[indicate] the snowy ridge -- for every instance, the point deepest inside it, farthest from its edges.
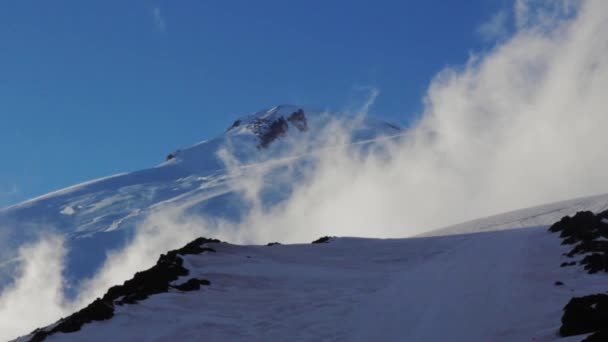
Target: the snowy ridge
(481, 283)
(541, 215)
(491, 286)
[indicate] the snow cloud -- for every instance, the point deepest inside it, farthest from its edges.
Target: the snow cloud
(36, 296)
(520, 125)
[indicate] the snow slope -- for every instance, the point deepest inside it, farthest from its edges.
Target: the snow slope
(495, 285)
(542, 215)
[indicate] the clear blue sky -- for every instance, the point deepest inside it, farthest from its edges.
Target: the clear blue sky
(92, 88)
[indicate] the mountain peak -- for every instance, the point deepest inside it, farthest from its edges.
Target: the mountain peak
(271, 124)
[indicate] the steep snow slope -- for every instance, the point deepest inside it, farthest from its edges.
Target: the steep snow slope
(100, 215)
(472, 285)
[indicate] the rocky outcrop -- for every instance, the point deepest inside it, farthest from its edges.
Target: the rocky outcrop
(298, 120)
(583, 315)
(588, 233)
(275, 130)
(157, 279)
(269, 129)
(324, 239)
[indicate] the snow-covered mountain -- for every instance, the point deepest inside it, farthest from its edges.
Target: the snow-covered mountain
(481, 280)
(100, 215)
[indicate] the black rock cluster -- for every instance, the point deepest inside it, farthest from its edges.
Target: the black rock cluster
(324, 239)
(268, 131)
(588, 233)
(157, 279)
(583, 315)
(276, 129)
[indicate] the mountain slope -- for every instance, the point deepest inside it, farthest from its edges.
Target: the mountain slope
(101, 215)
(464, 285)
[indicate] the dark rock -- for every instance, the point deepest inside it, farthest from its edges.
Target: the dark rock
(583, 226)
(272, 244)
(564, 264)
(324, 239)
(587, 314)
(298, 119)
(583, 315)
(596, 262)
(194, 247)
(277, 129)
(99, 310)
(598, 336)
(583, 230)
(172, 155)
(192, 284)
(235, 124)
(269, 129)
(156, 279)
(558, 283)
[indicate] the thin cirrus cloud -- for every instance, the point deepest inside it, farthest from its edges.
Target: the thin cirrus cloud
(159, 21)
(9, 193)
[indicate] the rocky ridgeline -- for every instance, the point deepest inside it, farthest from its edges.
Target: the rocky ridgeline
(268, 130)
(157, 279)
(588, 233)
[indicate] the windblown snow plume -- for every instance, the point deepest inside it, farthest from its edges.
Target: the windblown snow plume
(36, 297)
(521, 125)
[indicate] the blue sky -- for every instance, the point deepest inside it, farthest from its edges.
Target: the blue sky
(92, 88)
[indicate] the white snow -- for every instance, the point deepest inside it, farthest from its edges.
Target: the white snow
(486, 286)
(536, 216)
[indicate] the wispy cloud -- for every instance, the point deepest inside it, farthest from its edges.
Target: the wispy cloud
(159, 21)
(14, 190)
(8, 193)
(495, 28)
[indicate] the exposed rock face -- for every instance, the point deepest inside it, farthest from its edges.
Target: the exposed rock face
(277, 129)
(324, 239)
(157, 279)
(235, 124)
(583, 315)
(192, 284)
(172, 155)
(269, 128)
(298, 119)
(588, 232)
